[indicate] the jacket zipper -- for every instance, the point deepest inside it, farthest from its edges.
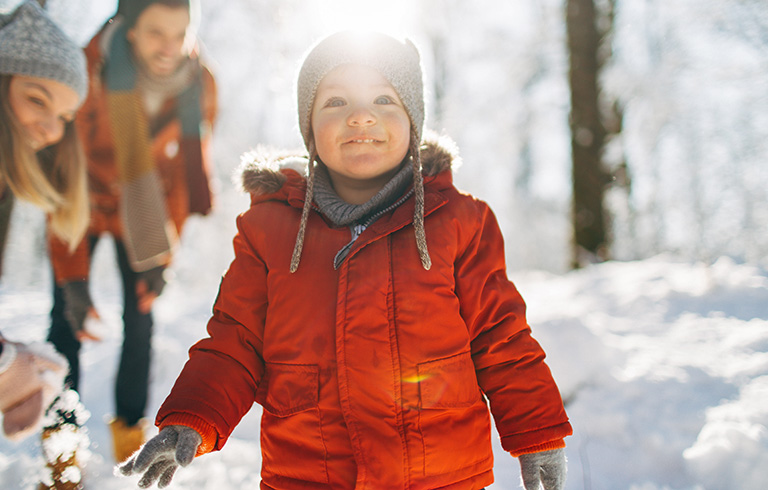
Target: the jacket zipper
(357, 229)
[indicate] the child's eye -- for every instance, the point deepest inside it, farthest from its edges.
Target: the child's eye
(384, 99)
(334, 102)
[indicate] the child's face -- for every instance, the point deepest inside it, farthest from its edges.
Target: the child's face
(360, 127)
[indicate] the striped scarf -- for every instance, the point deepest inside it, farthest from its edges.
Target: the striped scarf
(148, 235)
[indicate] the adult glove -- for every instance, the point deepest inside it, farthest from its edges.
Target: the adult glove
(30, 378)
(149, 285)
(547, 468)
(154, 279)
(77, 304)
(161, 456)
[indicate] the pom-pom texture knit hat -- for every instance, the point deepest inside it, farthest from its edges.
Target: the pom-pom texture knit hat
(31, 44)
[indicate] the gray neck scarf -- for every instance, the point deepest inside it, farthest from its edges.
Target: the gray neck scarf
(341, 213)
(358, 216)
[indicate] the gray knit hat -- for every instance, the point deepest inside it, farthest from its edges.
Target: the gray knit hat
(31, 44)
(399, 63)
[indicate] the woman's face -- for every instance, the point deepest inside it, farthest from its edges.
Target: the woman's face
(42, 107)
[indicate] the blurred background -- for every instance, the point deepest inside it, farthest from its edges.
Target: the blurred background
(596, 129)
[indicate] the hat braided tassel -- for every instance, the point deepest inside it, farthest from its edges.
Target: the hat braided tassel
(297, 248)
(418, 211)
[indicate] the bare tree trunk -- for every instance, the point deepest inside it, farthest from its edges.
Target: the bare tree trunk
(587, 134)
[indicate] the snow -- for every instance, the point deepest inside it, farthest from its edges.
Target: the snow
(663, 365)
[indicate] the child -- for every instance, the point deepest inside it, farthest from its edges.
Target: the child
(376, 337)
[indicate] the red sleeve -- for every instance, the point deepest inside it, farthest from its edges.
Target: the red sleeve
(210, 100)
(207, 433)
(86, 119)
(219, 381)
(525, 402)
(68, 265)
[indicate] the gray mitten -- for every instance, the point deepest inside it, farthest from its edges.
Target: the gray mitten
(545, 467)
(162, 455)
(77, 303)
(154, 279)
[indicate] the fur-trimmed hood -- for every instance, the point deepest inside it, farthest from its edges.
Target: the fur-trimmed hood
(263, 171)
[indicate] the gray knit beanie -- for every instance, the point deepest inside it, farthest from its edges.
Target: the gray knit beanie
(397, 61)
(31, 44)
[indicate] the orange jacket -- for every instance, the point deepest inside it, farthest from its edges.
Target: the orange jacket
(95, 132)
(377, 375)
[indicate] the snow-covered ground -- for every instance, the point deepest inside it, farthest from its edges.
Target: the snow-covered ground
(663, 363)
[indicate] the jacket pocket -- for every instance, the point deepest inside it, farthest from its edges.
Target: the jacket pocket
(453, 417)
(291, 388)
(448, 383)
(291, 435)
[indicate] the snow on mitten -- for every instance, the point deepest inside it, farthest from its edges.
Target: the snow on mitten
(545, 467)
(30, 378)
(161, 456)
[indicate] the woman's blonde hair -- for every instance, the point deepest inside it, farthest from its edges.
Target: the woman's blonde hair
(55, 179)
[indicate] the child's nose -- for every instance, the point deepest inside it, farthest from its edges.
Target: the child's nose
(361, 116)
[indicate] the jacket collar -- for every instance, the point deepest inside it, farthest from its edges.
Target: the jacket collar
(269, 175)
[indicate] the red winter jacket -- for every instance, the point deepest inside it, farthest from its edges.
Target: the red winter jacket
(377, 375)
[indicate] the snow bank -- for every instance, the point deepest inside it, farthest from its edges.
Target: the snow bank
(663, 365)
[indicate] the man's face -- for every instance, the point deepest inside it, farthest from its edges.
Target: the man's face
(158, 38)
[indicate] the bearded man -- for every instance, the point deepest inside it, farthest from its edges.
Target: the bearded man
(145, 128)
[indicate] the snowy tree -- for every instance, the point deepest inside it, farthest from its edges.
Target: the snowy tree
(692, 78)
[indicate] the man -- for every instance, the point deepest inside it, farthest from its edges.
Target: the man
(145, 127)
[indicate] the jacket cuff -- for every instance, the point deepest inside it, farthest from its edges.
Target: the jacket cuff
(547, 446)
(206, 431)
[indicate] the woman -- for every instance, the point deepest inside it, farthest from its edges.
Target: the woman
(43, 81)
